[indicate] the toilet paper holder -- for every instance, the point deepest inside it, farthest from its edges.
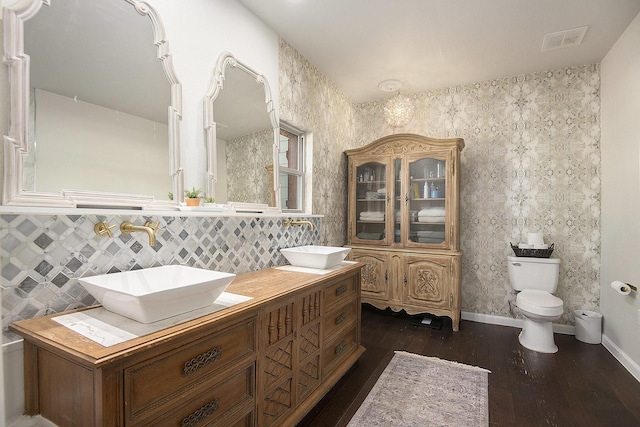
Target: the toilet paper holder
(632, 287)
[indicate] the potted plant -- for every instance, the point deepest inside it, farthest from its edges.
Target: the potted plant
(209, 201)
(192, 197)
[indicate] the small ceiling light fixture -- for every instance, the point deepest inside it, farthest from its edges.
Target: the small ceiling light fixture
(398, 110)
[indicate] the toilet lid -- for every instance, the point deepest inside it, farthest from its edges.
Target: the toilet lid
(539, 302)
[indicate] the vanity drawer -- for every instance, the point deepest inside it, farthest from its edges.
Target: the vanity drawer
(340, 318)
(338, 348)
(227, 403)
(163, 379)
(336, 293)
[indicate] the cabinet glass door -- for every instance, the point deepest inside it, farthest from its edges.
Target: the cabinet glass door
(427, 196)
(371, 197)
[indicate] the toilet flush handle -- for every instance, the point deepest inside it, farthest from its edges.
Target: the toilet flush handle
(516, 264)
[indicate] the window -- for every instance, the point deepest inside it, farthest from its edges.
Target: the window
(291, 161)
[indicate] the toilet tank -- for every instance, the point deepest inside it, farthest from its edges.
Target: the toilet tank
(533, 273)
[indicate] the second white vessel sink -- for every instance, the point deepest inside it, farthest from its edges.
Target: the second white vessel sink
(153, 294)
(315, 256)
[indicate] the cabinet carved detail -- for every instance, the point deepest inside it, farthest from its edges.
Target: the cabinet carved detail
(280, 323)
(310, 340)
(278, 362)
(277, 402)
(401, 147)
(369, 277)
(426, 283)
(309, 376)
(310, 307)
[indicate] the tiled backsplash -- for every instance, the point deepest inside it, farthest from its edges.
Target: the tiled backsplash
(43, 255)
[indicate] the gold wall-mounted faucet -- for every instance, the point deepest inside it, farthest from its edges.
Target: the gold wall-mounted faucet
(103, 228)
(291, 223)
(149, 227)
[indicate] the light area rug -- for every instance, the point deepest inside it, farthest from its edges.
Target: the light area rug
(416, 390)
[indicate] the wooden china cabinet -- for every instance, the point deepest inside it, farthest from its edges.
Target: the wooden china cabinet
(403, 223)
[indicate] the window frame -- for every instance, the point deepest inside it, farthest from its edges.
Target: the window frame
(299, 172)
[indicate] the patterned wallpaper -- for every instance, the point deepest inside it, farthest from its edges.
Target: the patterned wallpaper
(531, 163)
(311, 102)
(247, 178)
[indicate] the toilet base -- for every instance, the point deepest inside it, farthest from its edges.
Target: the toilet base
(538, 336)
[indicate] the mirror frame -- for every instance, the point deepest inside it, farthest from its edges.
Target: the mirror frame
(15, 142)
(227, 59)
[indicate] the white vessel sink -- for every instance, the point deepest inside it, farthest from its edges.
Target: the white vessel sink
(153, 294)
(315, 256)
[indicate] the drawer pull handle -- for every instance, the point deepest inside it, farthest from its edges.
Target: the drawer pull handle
(200, 414)
(341, 318)
(341, 290)
(202, 360)
(340, 348)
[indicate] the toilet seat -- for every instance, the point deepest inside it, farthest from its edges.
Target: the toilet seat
(538, 302)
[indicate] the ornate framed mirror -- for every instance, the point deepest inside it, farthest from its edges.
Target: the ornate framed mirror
(241, 135)
(105, 72)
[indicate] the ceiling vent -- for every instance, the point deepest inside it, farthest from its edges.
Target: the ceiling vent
(563, 39)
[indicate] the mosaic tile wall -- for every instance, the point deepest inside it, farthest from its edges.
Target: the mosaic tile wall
(43, 255)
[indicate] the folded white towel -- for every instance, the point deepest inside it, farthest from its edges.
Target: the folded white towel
(382, 190)
(432, 212)
(431, 219)
(372, 214)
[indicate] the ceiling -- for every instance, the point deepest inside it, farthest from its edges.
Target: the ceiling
(428, 44)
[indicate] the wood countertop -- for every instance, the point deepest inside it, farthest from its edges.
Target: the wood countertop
(262, 286)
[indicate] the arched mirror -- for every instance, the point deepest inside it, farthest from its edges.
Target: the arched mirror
(95, 106)
(242, 135)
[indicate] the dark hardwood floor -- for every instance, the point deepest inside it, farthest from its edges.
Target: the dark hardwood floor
(581, 385)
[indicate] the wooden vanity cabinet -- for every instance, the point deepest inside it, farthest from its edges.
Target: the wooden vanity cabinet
(302, 352)
(264, 362)
(403, 223)
(199, 376)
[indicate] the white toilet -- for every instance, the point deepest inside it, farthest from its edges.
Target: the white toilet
(536, 279)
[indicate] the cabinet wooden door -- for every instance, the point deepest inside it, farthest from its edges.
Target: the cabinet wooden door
(375, 274)
(427, 281)
(291, 362)
(277, 363)
(307, 358)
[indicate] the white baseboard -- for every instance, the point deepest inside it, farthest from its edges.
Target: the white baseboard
(514, 323)
(622, 357)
